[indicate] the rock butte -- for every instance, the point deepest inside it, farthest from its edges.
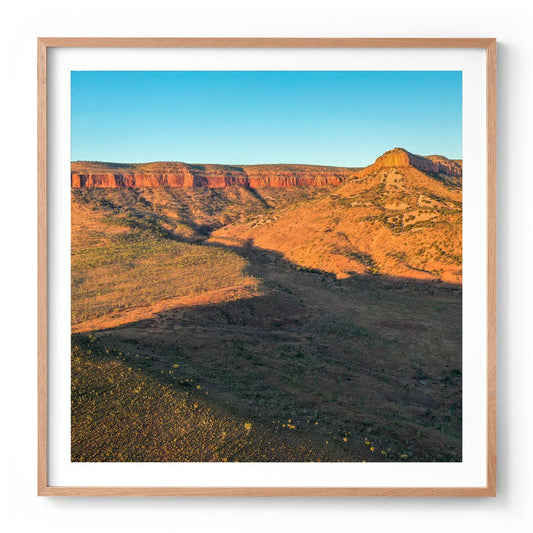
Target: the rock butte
(182, 175)
(437, 164)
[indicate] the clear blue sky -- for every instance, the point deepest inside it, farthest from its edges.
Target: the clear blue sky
(320, 117)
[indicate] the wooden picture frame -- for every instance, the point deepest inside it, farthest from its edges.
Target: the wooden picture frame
(47, 44)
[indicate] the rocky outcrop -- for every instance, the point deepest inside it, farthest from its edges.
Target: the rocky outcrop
(436, 164)
(447, 166)
(176, 174)
(280, 177)
(115, 181)
(211, 176)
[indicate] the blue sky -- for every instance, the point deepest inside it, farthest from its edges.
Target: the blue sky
(320, 117)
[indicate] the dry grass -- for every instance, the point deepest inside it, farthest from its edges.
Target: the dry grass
(372, 224)
(124, 256)
(247, 346)
(132, 417)
(131, 273)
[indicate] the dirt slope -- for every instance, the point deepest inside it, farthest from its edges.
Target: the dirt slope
(390, 218)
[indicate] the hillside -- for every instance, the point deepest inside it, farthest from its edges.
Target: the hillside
(399, 217)
(270, 323)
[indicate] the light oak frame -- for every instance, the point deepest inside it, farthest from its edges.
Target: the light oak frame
(44, 489)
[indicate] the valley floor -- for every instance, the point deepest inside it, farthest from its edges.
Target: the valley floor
(302, 367)
(229, 352)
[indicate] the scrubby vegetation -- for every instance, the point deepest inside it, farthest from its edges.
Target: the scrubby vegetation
(268, 325)
(366, 224)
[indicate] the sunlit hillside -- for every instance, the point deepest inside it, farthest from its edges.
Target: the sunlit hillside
(395, 221)
(299, 323)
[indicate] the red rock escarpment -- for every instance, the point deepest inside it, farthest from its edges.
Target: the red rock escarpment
(212, 176)
(176, 174)
(402, 158)
(115, 181)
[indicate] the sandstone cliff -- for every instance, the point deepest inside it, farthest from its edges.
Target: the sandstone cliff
(398, 157)
(102, 175)
(87, 174)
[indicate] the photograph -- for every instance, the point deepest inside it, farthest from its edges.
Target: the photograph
(266, 266)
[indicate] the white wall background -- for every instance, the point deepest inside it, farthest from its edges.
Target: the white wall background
(23, 21)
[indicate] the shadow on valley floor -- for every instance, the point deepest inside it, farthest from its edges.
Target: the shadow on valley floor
(364, 368)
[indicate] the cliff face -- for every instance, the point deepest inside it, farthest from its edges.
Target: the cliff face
(433, 163)
(447, 166)
(211, 176)
(279, 177)
(86, 174)
(115, 181)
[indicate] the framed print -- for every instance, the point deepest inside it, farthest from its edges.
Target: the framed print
(267, 267)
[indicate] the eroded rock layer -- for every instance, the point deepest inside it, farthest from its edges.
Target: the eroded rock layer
(437, 164)
(86, 174)
(93, 175)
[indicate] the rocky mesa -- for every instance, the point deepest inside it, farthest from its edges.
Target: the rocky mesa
(399, 157)
(101, 175)
(176, 174)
